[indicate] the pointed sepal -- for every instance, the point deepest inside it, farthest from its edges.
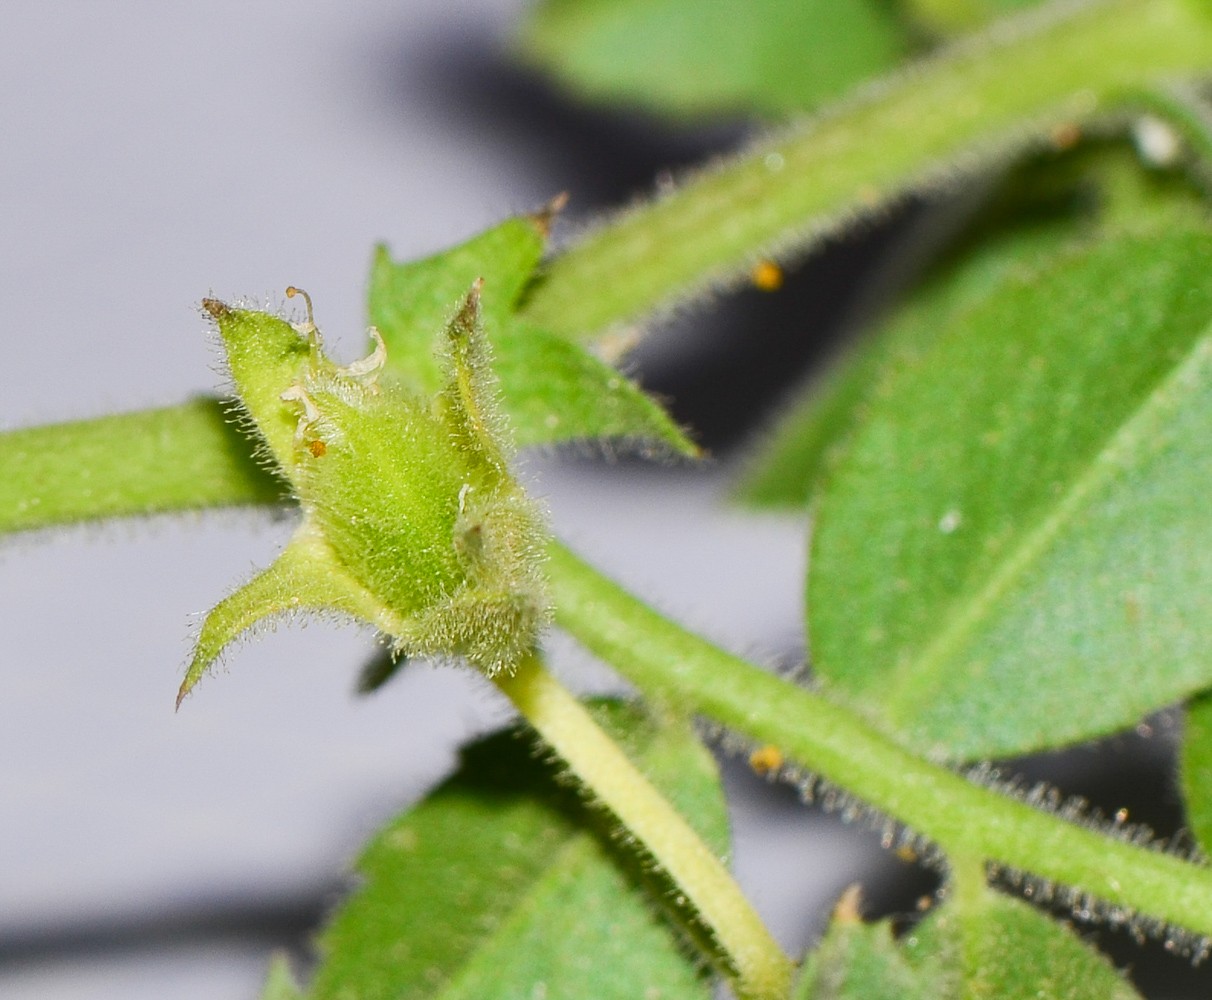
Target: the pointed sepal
(265, 356)
(468, 401)
(306, 577)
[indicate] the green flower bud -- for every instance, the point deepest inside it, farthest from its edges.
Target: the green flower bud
(412, 520)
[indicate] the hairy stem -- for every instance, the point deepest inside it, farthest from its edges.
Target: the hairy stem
(761, 970)
(172, 459)
(963, 818)
(972, 105)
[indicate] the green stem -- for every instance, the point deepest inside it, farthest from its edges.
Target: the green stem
(976, 103)
(172, 459)
(762, 971)
(964, 819)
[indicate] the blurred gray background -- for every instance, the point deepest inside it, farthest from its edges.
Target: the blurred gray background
(154, 154)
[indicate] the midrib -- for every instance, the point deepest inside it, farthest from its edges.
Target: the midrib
(915, 685)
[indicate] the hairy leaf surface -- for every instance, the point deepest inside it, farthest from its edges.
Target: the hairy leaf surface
(494, 886)
(811, 436)
(681, 57)
(1010, 556)
(1011, 951)
(986, 946)
(1049, 205)
(858, 961)
(552, 390)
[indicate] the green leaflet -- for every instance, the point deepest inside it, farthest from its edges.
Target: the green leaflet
(812, 435)
(410, 303)
(858, 961)
(988, 947)
(684, 58)
(557, 391)
(1047, 205)
(1009, 557)
(1196, 770)
(173, 459)
(552, 390)
(1011, 951)
(493, 885)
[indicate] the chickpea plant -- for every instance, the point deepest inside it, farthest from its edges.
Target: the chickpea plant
(1007, 479)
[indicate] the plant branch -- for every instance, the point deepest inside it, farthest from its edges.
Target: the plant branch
(761, 970)
(976, 103)
(171, 459)
(963, 818)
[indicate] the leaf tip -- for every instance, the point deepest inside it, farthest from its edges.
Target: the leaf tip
(542, 219)
(848, 909)
(187, 685)
(215, 308)
(280, 981)
(465, 323)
